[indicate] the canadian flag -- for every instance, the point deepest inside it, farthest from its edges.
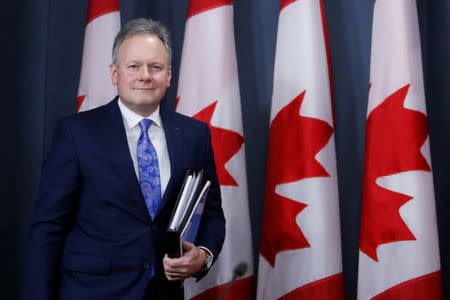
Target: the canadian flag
(208, 90)
(103, 23)
(399, 254)
(300, 254)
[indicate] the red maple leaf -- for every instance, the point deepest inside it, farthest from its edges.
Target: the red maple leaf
(395, 135)
(294, 142)
(226, 143)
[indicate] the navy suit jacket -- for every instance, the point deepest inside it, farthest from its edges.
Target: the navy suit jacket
(91, 236)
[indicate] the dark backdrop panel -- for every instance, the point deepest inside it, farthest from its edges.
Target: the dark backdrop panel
(255, 31)
(435, 33)
(41, 67)
(9, 206)
(349, 26)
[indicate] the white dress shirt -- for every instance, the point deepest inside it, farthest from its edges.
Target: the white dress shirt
(157, 137)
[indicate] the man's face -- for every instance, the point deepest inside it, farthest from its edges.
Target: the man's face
(142, 73)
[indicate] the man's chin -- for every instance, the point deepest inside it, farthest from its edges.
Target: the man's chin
(149, 102)
(148, 106)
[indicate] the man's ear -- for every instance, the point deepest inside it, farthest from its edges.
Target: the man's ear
(170, 76)
(113, 71)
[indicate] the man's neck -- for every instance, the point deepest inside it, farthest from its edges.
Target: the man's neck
(141, 111)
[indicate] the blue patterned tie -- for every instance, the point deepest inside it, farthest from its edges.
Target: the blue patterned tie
(148, 170)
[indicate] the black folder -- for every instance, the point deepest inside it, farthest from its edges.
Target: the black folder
(187, 213)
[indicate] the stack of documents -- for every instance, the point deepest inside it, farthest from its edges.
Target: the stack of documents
(187, 212)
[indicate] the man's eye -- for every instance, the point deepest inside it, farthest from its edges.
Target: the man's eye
(156, 68)
(133, 67)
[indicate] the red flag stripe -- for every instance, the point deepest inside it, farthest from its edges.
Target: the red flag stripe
(241, 289)
(420, 288)
(199, 6)
(284, 3)
(98, 8)
(326, 288)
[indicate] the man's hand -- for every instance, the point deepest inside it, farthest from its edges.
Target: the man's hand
(184, 267)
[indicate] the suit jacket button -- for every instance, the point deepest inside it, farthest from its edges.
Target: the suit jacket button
(146, 265)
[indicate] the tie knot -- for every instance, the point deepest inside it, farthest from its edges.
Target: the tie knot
(145, 124)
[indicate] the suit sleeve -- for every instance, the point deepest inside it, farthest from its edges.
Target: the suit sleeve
(53, 213)
(212, 229)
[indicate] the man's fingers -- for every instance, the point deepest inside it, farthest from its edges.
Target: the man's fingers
(173, 262)
(174, 275)
(173, 278)
(176, 271)
(188, 246)
(175, 267)
(170, 278)
(183, 267)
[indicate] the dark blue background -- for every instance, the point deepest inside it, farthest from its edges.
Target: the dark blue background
(40, 68)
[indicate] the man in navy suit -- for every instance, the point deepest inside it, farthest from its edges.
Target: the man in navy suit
(109, 185)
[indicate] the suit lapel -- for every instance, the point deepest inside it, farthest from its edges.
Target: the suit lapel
(173, 140)
(123, 163)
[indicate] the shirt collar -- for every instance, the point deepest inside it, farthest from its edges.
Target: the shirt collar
(132, 119)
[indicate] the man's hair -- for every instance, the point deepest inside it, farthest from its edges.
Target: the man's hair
(142, 26)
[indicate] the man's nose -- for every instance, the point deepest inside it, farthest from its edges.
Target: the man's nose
(146, 74)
